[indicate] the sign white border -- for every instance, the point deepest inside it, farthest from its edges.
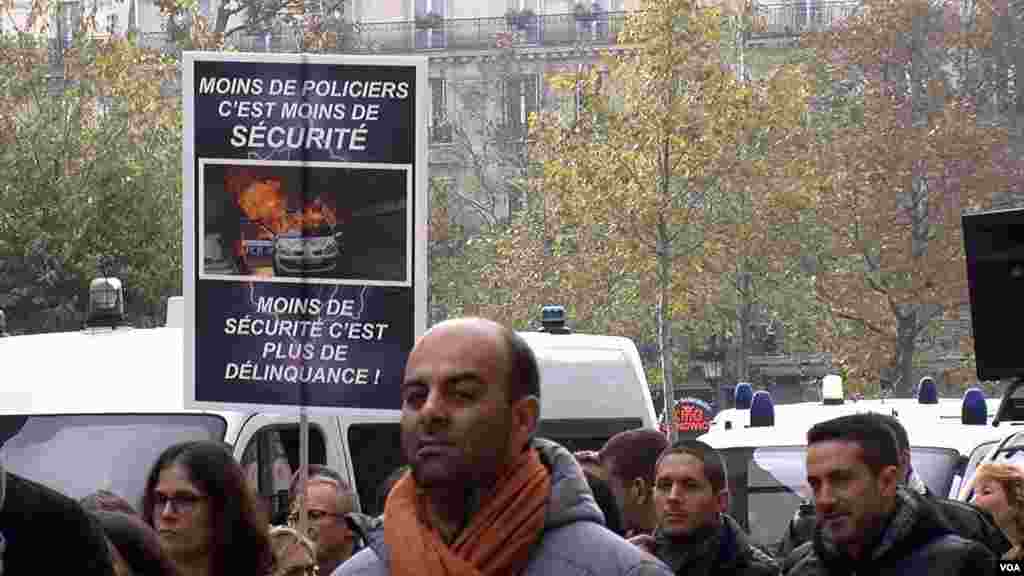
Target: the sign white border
(419, 216)
(410, 230)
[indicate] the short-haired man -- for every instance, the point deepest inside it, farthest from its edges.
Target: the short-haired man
(628, 459)
(867, 521)
(482, 496)
(694, 534)
(328, 499)
(966, 520)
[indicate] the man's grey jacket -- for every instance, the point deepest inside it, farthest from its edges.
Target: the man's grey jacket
(574, 542)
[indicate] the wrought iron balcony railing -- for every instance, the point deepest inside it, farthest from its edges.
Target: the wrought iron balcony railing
(463, 34)
(486, 33)
(793, 18)
(773, 19)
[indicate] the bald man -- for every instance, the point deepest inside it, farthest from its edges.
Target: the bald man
(482, 494)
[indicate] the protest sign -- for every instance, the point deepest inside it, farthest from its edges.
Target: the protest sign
(305, 228)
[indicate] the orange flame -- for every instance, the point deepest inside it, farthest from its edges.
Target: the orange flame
(316, 215)
(262, 200)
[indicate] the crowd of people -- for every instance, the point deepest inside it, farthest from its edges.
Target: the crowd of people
(481, 494)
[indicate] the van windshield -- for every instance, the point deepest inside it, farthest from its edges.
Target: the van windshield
(79, 454)
(767, 484)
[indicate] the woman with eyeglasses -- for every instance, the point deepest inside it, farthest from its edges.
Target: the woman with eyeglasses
(209, 521)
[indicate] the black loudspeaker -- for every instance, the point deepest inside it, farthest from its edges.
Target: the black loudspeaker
(994, 245)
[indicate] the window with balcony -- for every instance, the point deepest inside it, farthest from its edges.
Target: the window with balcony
(515, 199)
(523, 5)
(592, 20)
(68, 19)
(522, 98)
(523, 20)
(440, 126)
(430, 17)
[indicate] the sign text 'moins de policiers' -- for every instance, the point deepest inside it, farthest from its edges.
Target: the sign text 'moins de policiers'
(298, 106)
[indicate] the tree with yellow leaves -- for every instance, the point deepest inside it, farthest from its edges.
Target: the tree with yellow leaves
(665, 138)
(905, 149)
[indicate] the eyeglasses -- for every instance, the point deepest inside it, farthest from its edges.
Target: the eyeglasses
(314, 516)
(183, 502)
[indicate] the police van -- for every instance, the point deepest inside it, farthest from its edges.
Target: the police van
(94, 408)
(928, 406)
(766, 456)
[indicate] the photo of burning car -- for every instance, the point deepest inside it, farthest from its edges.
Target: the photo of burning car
(282, 220)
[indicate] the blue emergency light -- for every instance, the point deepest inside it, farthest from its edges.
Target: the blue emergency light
(974, 410)
(927, 392)
(743, 394)
(762, 411)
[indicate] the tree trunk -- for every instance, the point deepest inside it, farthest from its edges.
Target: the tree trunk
(744, 317)
(665, 330)
(221, 24)
(1003, 40)
(906, 343)
(665, 345)
(664, 249)
(907, 315)
(1017, 32)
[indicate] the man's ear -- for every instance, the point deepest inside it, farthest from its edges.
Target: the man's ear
(525, 414)
(888, 480)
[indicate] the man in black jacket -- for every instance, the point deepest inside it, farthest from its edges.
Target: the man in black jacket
(868, 523)
(694, 536)
(34, 518)
(967, 521)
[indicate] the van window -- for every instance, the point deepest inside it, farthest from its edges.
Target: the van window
(77, 455)
(585, 434)
(979, 454)
(271, 458)
(767, 484)
(1011, 452)
(376, 451)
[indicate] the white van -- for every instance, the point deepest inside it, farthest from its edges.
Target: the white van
(766, 463)
(99, 405)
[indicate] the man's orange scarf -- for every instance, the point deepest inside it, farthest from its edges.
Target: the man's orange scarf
(498, 539)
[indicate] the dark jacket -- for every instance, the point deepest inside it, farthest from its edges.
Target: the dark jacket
(712, 552)
(967, 521)
(574, 542)
(801, 529)
(917, 540)
(35, 519)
